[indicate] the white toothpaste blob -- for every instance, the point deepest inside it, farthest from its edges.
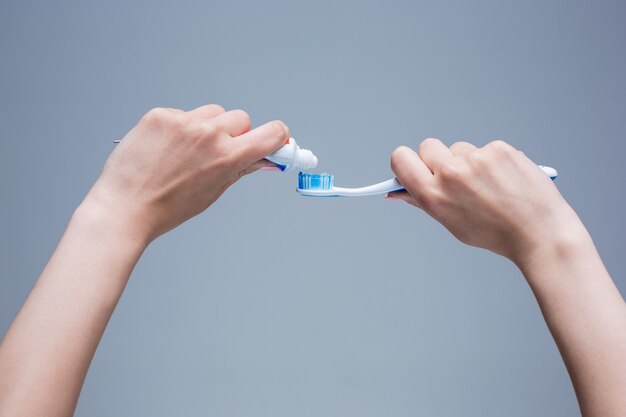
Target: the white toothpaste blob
(291, 157)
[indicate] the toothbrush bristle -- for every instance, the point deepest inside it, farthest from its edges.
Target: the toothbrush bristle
(315, 181)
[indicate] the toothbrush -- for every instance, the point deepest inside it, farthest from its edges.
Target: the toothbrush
(322, 185)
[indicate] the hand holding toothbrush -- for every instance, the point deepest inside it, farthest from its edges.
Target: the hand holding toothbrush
(494, 197)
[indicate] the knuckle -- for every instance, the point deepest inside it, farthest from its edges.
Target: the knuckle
(475, 157)
(176, 121)
(451, 172)
(200, 131)
(209, 130)
(163, 118)
(460, 144)
(242, 113)
(217, 107)
(155, 116)
(428, 142)
(500, 147)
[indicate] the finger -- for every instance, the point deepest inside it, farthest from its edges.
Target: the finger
(411, 171)
(262, 141)
(173, 110)
(402, 196)
(461, 148)
(260, 165)
(273, 168)
(499, 147)
(434, 153)
(207, 111)
(233, 122)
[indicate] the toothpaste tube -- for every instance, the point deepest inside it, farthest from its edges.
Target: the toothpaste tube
(292, 157)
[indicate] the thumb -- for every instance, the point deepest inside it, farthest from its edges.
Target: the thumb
(411, 171)
(261, 141)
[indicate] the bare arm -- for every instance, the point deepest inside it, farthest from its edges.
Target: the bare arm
(496, 198)
(46, 352)
(169, 168)
(587, 318)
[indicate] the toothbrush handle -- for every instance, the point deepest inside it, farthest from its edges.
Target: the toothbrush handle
(393, 184)
(374, 189)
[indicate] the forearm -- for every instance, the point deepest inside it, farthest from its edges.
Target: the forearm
(169, 168)
(587, 317)
(46, 352)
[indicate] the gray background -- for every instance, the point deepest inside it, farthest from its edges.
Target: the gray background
(270, 304)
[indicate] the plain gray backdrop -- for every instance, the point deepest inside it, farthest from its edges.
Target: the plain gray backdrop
(270, 304)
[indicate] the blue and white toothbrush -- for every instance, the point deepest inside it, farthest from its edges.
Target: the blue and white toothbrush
(322, 185)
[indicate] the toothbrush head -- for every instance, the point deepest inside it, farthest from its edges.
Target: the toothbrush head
(315, 185)
(315, 181)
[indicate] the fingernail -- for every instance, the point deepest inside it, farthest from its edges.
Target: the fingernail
(388, 197)
(269, 169)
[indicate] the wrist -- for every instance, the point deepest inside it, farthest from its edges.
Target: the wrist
(118, 221)
(562, 241)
